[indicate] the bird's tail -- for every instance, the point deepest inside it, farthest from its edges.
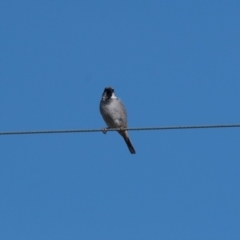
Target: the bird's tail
(126, 138)
(130, 146)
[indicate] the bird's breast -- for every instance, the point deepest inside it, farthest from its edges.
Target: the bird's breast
(113, 114)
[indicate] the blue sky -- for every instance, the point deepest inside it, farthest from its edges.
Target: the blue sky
(171, 63)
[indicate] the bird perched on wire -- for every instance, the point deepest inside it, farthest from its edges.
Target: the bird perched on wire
(115, 115)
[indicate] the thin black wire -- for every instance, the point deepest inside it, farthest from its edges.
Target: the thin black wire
(116, 129)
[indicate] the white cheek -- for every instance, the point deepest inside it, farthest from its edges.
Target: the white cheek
(113, 96)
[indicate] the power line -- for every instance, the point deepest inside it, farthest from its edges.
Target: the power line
(115, 129)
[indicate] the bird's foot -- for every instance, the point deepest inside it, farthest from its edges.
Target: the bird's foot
(121, 129)
(104, 130)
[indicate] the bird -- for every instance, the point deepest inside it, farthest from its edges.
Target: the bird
(115, 115)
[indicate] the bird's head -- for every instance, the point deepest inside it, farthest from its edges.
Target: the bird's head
(108, 93)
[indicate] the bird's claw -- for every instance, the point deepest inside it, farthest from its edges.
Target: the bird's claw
(121, 129)
(104, 130)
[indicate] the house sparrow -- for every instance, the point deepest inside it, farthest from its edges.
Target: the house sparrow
(115, 115)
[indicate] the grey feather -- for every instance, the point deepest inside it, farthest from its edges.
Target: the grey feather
(115, 115)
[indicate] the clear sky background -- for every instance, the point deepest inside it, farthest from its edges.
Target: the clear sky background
(171, 63)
